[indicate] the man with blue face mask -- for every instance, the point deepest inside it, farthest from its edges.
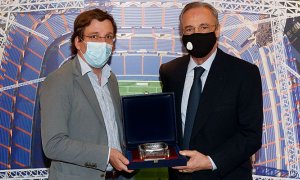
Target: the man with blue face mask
(218, 102)
(80, 106)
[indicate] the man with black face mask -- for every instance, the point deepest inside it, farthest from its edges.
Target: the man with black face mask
(219, 107)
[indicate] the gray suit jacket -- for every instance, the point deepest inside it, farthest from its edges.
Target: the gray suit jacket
(73, 130)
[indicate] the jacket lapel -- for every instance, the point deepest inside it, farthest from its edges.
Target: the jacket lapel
(114, 93)
(212, 89)
(87, 88)
(180, 76)
(178, 88)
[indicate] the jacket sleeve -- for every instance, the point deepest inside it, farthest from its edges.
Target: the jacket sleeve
(56, 106)
(247, 140)
(162, 78)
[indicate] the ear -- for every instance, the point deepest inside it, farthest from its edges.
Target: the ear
(218, 31)
(113, 46)
(77, 43)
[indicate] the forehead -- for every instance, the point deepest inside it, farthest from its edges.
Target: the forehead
(100, 27)
(198, 15)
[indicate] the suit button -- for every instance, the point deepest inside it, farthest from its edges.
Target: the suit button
(94, 165)
(102, 175)
(87, 164)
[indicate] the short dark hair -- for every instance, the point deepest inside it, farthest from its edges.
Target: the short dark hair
(192, 5)
(84, 19)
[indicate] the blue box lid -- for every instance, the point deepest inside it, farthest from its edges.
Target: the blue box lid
(149, 118)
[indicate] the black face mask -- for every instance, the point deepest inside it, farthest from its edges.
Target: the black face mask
(199, 44)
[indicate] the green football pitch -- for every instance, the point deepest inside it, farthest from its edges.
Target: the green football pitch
(152, 174)
(139, 87)
(142, 87)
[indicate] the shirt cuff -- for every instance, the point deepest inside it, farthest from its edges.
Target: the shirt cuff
(109, 166)
(214, 167)
(108, 156)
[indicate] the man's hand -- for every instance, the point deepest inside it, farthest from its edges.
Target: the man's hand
(118, 161)
(197, 161)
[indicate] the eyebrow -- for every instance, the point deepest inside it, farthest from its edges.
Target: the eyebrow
(203, 24)
(96, 33)
(93, 33)
(189, 26)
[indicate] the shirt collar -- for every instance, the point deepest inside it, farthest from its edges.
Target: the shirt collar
(206, 65)
(105, 74)
(85, 68)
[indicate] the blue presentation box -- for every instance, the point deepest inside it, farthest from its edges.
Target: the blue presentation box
(150, 118)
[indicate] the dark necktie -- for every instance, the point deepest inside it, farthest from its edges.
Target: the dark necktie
(192, 106)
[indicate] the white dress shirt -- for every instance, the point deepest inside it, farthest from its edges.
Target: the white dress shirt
(189, 78)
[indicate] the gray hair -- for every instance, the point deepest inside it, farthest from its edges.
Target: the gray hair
(197, 4)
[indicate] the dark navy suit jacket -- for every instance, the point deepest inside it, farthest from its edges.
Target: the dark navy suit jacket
(228, 124)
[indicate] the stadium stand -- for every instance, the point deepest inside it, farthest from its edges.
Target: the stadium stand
(142, 45)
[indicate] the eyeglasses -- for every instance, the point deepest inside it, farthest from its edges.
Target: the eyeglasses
(203, 28)
(95, 37)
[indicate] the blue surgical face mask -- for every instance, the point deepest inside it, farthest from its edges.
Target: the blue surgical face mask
(97, 53)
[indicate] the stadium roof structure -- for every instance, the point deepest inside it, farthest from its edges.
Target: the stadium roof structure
(26, 21)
